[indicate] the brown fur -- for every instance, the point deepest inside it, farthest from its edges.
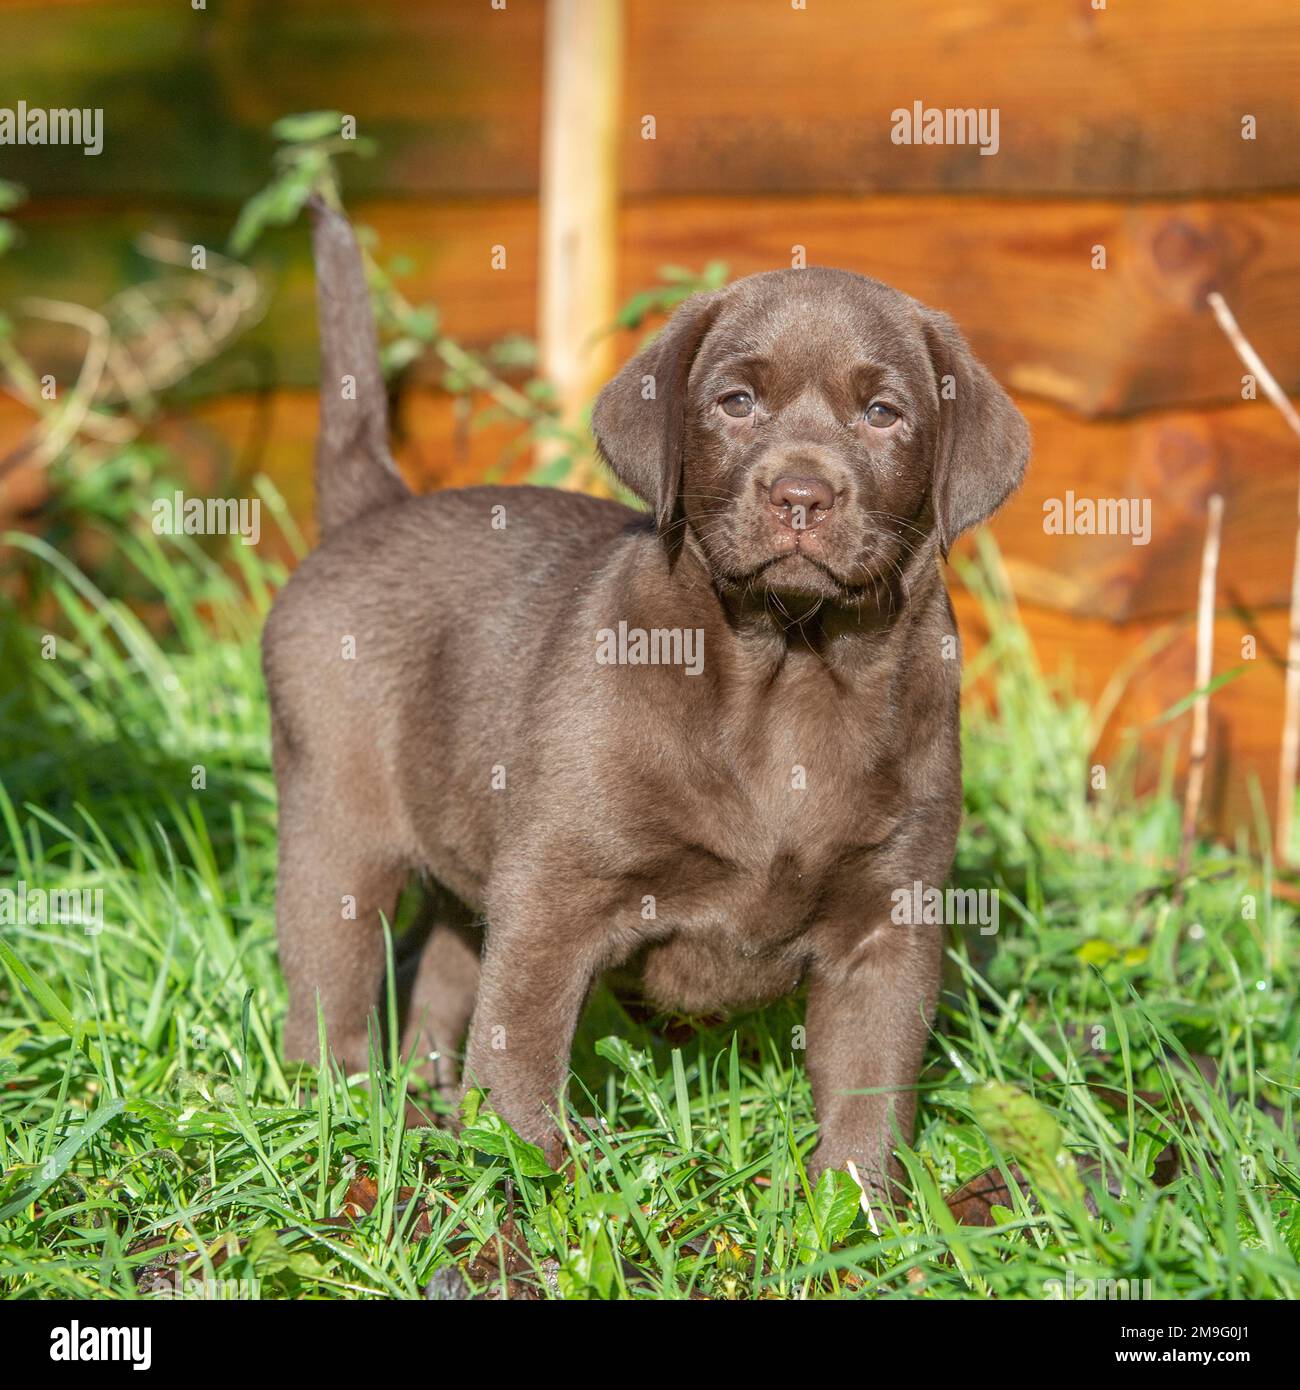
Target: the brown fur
(768, 806)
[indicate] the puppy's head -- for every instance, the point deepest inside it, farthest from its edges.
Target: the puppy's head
(811, 429)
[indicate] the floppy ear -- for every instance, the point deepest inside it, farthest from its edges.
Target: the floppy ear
(983, 443)
(640, 418)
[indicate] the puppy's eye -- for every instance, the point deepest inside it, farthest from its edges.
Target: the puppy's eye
(738, 403)
(881, 416)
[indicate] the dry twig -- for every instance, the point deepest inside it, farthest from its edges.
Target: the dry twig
(147, 338)
(1290, 755)
(1204, 670)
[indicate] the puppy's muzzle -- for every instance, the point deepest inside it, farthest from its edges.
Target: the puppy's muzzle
(801, 503)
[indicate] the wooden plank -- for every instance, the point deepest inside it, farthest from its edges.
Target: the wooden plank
(753, 96)
(1016, 274)
(1136, 99)
(1167, 464)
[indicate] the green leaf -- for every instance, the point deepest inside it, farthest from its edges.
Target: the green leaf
(715, 275)
(602, 1206)
(514, 351)
(623, 1055)
(471, 1104)
(590, 1270)
(490, 1134)
(422, 324)
(442, 1141)
(401, 352)
(826, 1221)
(637, 309)
(1021, 1128)
(308, 125)
(162, 1123)
(272, 1259)
(279, 203)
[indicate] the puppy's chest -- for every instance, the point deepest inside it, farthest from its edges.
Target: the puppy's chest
(759, 810)
(753, 864)
(735, 904)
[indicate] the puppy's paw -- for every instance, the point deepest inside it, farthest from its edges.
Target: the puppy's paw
(881, 1194)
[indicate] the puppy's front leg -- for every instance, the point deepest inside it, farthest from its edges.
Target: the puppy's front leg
(535, 979)
(868, 1018)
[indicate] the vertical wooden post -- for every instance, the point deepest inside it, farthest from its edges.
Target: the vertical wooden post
(579, 203)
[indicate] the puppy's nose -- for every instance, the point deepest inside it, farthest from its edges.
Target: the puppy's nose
(801, 499)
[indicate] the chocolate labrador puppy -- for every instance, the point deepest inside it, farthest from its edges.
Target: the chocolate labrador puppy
(709, 741)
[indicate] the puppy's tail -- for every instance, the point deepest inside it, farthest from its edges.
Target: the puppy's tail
(355, 472)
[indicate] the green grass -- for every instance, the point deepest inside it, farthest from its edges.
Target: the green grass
(147, 1119)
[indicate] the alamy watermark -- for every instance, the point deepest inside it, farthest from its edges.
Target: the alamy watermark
(920, 906)
(34, 907)
(1098, 516)
(655, 646)
(40, 125)
(1087, 1290)
(179, 515)
(73, 1342)
(164, 1286)
(949, 125)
